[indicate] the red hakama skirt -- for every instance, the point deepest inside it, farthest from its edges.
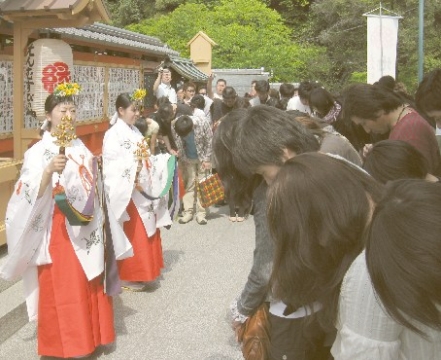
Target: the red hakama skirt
(74, 314)
(147, 261)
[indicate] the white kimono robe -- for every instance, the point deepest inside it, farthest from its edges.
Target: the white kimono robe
(29, 220)
(120, 166)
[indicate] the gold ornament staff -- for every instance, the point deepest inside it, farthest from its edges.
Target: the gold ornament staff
(65, 133)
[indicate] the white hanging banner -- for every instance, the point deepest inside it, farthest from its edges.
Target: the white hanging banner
(382, 35)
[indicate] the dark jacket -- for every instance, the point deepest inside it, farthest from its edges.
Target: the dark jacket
(255, 291)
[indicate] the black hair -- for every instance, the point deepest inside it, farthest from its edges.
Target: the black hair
(365, 101)
(221, 80)
(305, 89)
(282, 104)
(229, 92)
(318, 211)
(274, 94)
(198, 102)
(189, 84)
(428, 95)
(123, 101)
(322, 100)
(262, 86)
(141, 124)
(263, 135)
(312, 124)
(50, 103)
(162, 101)
(165, 114)
(403, 253)
(297, 113)
(238, 188)
(183, 125)
(287, 90)
(395, 159)
(387, 81)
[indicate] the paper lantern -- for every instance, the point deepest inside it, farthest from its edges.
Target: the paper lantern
(49, 62)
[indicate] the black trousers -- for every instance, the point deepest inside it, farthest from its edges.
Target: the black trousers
(295, 339)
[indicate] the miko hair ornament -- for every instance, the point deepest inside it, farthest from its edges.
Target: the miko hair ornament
(65, 91)
(65, 131)
(138, 96)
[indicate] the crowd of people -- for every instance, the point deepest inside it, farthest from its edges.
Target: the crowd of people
(344, 193)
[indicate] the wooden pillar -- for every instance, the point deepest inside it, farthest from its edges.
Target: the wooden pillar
(21, 35)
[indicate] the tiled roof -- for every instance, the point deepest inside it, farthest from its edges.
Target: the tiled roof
(123, 33)
(31, 5)
(110, 35)
(13, 10)
(260, 71)
(205, 36)
(186, 68)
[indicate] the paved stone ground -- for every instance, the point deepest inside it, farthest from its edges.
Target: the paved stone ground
(185, 315)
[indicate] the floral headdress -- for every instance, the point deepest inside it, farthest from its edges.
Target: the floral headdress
(138, 96)
(67, 89)
(63, 91)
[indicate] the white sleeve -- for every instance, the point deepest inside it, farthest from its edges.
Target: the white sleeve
(350, 345)
(173, 97)
(364, 329)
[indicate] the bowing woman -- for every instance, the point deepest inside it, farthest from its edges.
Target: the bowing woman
(319, 208)
(134, 181)
(54, 228)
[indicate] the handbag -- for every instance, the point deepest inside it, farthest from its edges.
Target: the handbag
(254, 335)
(210, 190)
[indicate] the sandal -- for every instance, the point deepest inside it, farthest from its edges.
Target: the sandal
(132, 286)
(232, 218)
(240, 219)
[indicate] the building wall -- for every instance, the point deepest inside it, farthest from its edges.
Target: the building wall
(102, 78)
(201, 54)
(239, 79)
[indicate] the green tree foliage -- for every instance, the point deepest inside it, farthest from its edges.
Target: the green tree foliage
(339, 26)
(408, 40)
(125, 12)
(248, 34)
(294, 12)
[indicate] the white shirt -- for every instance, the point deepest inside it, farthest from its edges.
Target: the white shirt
(365, 331)
(168, 91)
(295, 104)
(217, 96)
(277, 308)
(208, 103)
(200, 113)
